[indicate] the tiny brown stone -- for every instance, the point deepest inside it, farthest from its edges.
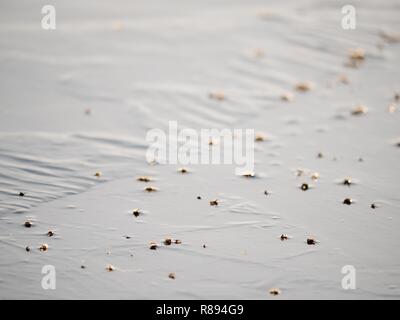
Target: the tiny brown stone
(136, 212)
(213, 202)
(171, 275)
(21, 194)
(304, 186)
(153, 246)
(177, 241)
(28, 224)
(168, 242)
(44, 247)
(303, 86)
(144, 179)
(248, 174)
(347, 181)
(347, 201)
(50, 233)
(311, 241)
(97, 174)
(151, 189)
(110, 268)
(183, 170)
(359, 110)
(274, 291)
(284, 237)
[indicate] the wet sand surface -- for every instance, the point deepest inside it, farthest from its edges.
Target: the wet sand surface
(80, 99)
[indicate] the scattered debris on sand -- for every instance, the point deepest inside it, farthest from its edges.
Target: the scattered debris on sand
(287, 96)
(347, 181)
(151, 189)
(172, 276)
(284, 237)
(304, 86)
(311, 241)
(153, 246)
(218, 95)
(315, 176)
(214, 202)
(260, 137)
(110, 268)
(359, 110)
(274, 291)
(248, 174)
(144, 179)
(44, 247)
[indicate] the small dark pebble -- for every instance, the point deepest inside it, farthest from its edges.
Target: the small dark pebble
(21, 194)
(320, 155)
(266, 192)
(275, 291)
(83, 267)
(311, 241)
(127, 237)
(204, 246)
(284, 237)
(27, 249)
(168, 242)
(374, 206)
(347, 181)
(198, 198)
(304, 186)
(177, 241)
(347, 201)
(44, 247)
(171, 276)
(136, 212)
(50, 233)
(153, 246)
(28, 224)
(213, 202)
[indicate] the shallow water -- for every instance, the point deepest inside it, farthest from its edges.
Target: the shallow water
(137, 65)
